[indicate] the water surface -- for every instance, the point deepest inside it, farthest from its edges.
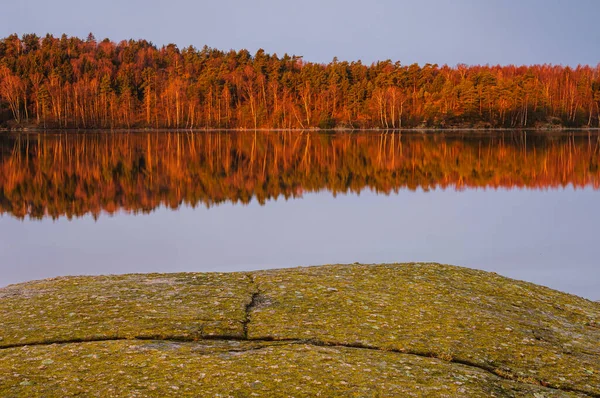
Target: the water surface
(519, 204)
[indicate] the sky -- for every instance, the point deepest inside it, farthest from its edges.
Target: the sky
(425, 31)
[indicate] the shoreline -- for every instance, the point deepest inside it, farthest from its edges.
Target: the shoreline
(300, 130)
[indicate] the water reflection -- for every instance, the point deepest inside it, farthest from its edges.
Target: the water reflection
(54, 175)
(535, 218)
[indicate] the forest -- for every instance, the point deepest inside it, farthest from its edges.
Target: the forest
(68, 82)
(70, 174)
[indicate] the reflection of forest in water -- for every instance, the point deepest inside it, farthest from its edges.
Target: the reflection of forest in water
(75, 174)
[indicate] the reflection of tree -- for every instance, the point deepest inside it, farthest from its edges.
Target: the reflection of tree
(72, 174)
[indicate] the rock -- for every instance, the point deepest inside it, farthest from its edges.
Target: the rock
(374, 330)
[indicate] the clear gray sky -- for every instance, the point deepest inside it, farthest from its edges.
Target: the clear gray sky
(436, 31)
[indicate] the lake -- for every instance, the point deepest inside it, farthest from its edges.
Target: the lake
(522, 204)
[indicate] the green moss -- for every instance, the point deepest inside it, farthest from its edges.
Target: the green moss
(347, 330)
(240, 369)
(518, 329)
(186, 306)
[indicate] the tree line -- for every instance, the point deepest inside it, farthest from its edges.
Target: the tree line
(68, 174)
(68, 82)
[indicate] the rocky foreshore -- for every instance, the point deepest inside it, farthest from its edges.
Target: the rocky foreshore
(335, 330)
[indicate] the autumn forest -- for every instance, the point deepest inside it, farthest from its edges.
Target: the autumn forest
(69, 82)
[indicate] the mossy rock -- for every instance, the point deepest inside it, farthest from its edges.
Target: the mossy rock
(338, 330)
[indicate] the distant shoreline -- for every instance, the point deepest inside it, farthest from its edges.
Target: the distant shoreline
(305, 130)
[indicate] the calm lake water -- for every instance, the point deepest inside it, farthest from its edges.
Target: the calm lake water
(524, 205)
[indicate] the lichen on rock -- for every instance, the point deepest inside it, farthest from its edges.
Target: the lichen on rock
(337, 330)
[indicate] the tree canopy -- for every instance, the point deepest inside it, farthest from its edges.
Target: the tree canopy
(69, 82)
